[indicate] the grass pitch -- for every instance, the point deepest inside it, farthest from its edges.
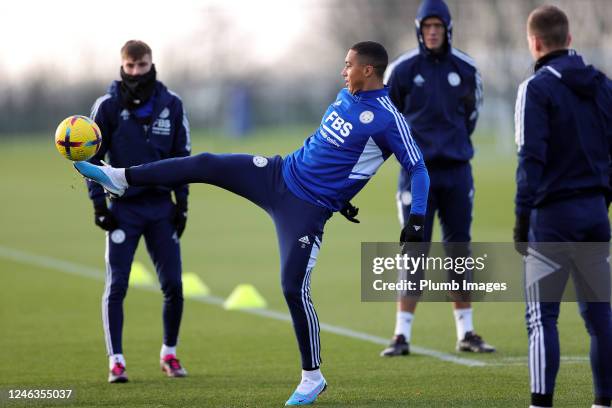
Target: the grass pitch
(51, 275)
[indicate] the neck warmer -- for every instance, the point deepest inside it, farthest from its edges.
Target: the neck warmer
(136, 90)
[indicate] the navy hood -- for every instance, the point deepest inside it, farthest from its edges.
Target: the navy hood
(584, 80)
(434, 8)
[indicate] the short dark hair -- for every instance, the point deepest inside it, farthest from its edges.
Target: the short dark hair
(550, 24)
(374, 54)
(135, 49)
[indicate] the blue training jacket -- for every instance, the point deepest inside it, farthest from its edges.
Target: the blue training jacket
(127, 142)
(439, 94)
(357, 134)
(563, 129)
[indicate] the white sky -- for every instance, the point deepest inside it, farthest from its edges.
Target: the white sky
(77, 38)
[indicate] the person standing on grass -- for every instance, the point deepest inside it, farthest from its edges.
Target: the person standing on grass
(141, 121)
(563, 123)
(439, 90)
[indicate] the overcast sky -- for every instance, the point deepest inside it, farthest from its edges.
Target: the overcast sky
(82, 38)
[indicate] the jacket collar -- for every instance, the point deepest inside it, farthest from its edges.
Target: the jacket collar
(373, 94)
(549, 57)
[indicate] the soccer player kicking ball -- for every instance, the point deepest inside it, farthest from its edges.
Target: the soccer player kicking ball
(358, 132)
(564, 134)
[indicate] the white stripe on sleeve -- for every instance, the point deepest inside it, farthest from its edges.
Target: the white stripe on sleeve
(402, 126)
(519, 114)
(97, 104)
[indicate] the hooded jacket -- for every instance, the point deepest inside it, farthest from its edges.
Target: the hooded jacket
(563, 129)
(126, 141)
(439, 94)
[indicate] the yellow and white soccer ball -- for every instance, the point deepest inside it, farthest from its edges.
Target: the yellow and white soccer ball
(78, 138)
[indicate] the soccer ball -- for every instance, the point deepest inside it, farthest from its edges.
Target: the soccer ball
(78, 138)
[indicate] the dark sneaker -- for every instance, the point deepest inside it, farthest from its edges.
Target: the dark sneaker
(117, 374)
(474, 343)
(398, 347)
(172, 367)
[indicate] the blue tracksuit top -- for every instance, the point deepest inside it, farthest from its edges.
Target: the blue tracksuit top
(439, 94)
(563, 129)
(357, 134)
(127, 142)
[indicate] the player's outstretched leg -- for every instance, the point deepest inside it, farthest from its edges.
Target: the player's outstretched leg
(252, 177)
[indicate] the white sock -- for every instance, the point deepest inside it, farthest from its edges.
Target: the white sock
(114, 359)
(403, 324)
(463, 322)
(310, 379)
(118, 176)
(165, 350)
(599, 406)
(313, 375)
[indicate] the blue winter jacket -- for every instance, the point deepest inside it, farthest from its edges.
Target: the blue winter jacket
(439, 94)
(358, 132)
(126, 141)
(563, 129)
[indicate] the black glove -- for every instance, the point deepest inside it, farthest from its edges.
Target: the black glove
(180, 217)
(520, 234)
(104, 218)
(350, 212)
(414, 231)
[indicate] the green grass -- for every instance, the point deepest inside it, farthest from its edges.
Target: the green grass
(51, 328)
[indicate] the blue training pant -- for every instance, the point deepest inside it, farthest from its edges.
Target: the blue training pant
(299, 224)
(582, 219)
(150, 216)
(451, 196)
